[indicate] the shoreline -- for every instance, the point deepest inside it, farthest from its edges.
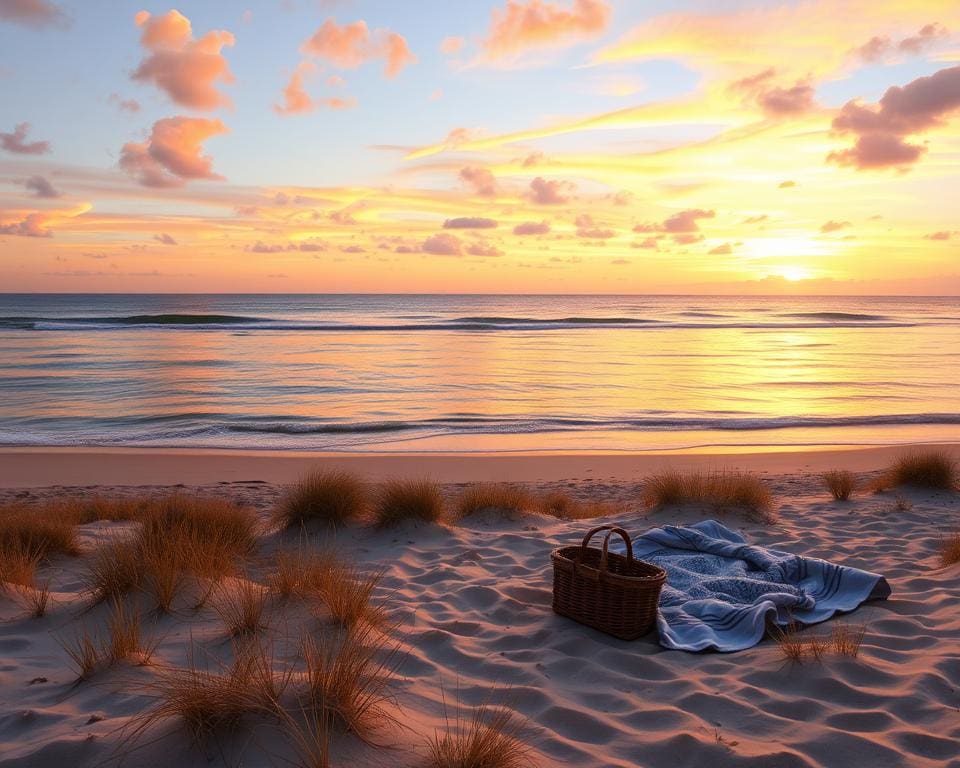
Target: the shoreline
(34, 467)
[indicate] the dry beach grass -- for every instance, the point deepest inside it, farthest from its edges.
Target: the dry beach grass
(334, 646)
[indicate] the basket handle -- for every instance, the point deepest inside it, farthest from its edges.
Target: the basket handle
(611, 529)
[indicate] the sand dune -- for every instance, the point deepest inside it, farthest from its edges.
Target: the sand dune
(473, 608)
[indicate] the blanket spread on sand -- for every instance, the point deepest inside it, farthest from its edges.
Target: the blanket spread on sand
(721, 592)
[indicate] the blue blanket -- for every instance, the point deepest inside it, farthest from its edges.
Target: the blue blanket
(721, 592)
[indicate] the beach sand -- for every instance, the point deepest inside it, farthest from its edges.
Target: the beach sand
(472, 602)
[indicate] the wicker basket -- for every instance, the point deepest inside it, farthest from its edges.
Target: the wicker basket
(605, 590)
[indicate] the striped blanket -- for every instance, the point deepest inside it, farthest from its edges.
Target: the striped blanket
(722, 592)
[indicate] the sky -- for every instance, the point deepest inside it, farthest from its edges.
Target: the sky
(501, 146)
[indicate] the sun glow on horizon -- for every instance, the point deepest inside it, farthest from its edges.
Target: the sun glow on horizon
(363, 151)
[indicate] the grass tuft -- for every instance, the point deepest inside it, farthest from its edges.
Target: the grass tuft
(846, 640)
(498, 497)
(840, 483)
(36, 599)
(210, 702)
(125, 639)
(797, 647)
(179, 536)
(721, 490)
(348, 592)
(113, 570)
(18, 565)
(41, 530)
(488, 738)
(402, 500)
(347, 680)
(934, 469)
(240, 607)
(950, 550)
(563, 506)
(85, 651)
(329, 497)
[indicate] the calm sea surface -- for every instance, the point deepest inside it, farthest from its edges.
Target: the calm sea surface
(472, 373)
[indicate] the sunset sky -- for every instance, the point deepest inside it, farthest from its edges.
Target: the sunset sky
(480, 146)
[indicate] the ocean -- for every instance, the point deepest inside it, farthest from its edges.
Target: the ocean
(471, 373)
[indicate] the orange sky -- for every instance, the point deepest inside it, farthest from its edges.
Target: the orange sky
(525, 146)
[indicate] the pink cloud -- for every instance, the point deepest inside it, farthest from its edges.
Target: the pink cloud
(17, 143)
(942, 235)
(172, 155)
(470, 222)
(586, 227)
(295, 99)
(882, 130)
(342, 217)
(924, 38)
(187, 70)
(786, 184)
(443, 244)
(481, 249)
(482, 181)
(536, 24)
(650, 243)
(549, 192)
(721, 250)
(351, 45)
(40, 187)
(125, 105)
(776, 100)
(532, 228)
(165, 239)
(874, 49)
(534, 159)
(878, 47)
(451, 45)
(684, 221)
(597, 233)
(30, 13)
(32, 225)
(835, 226)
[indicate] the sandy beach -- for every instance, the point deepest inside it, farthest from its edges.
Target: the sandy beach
(471, 601)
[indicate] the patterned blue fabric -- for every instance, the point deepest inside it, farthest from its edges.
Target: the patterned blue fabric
(721, 592)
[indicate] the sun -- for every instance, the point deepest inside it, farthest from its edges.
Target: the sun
(794, 273)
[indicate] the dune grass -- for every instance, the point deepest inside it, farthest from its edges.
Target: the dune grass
(125, 638)
(179, 537)
(840, 483)
(18, 565)
(497, 497)
(210, 702)
(846, 640)
(36, 599)
(562, 505)
(950, 550)
(401, 500)
(89, 509)
(798, 646)
(347, 679)
(112, 570)
(348, 591)
(332, 498)
(241, 607)
(723, 491)
(40, 530)
(489, 737)
(300, 573)
(85, 651)
(933, 469)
